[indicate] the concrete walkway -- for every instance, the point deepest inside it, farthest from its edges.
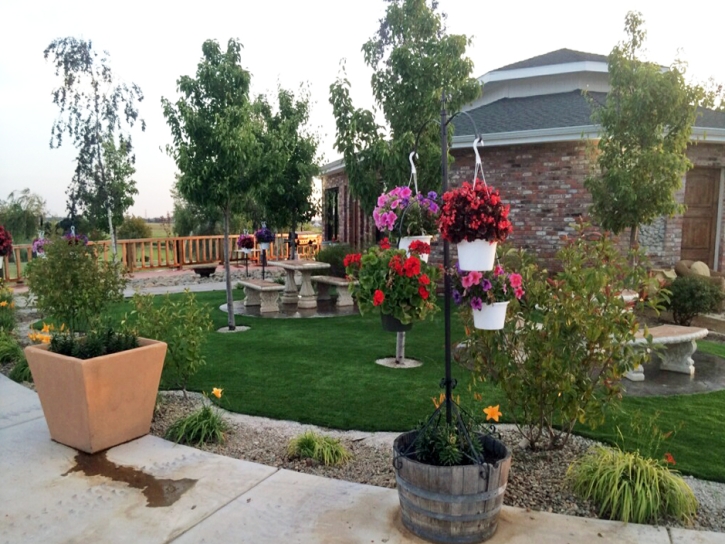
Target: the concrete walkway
(153, 491)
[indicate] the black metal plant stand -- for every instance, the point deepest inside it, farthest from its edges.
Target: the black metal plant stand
(264, 261)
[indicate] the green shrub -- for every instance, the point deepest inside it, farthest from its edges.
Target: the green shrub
(566, 344)
(324, 449)
(21, 372)
(692, 296)
(73, 285)
(132, 228)
(629, 487)
(182, 325)
(446, 445)
(96, 343)
(334, 255)
(8, 319)
(203, 426)
(10, 350)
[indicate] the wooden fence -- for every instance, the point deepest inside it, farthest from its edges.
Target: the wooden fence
(173, 252)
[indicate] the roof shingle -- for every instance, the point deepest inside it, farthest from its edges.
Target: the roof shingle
(560, 56)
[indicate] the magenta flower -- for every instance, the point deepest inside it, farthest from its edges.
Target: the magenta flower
(470, 279)
(498, 271)
(476, 303)
(515, 280)
(486, 284)
(518, 292)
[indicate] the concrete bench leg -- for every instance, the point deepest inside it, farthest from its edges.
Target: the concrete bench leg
(677, 357)
(251, 297)
(636, 374)
(323, 292)
(344, 297)
(270, 301)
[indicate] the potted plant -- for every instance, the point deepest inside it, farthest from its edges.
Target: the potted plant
(487, 294)
(6, 247)
(474, 218)
(245, 242)
(402, 287)
(451, 476)
(97, 387)
(411, 217)
(264, 237)
(38, 246)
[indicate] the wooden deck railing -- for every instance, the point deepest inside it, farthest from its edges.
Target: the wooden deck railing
(174, 252)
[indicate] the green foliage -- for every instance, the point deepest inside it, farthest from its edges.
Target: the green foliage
(324, 449)
(334, 255)
(73, 285)
(442, 444)
(646, 124)
(202, 427)
(21, 213)
(98, 342)
(134, 227)
(413, 60)
(10, 350)
(94, 110)
(287, 194)
(8, 319)
(566, 344)
(692, 296)
(630, 487)
(182, 324)
(21, 372)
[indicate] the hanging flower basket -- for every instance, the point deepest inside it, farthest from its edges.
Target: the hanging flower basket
(491, 317)
(392, 324)
(421, 246)
(400, 212)
(245, 242)
(476, 255)
(474, 212)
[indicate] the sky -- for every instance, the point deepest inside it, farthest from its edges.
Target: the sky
(153, 43)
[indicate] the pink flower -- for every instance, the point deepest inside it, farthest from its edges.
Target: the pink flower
(498, 271)
(405, 192)
(382, 200)
(518, 292)
(515, 280)
(472, 278)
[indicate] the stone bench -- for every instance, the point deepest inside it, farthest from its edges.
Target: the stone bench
(344, 296)
(679, 345)
(262, 293)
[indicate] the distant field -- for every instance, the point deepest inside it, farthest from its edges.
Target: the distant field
(158, 231)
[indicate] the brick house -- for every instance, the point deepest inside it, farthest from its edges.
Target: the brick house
(537, 129)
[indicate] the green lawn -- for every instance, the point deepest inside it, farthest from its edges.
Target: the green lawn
(322, 371)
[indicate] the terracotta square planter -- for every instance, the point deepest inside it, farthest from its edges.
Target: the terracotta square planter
(98, 403)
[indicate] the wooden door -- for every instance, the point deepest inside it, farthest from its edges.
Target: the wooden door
(699, 224)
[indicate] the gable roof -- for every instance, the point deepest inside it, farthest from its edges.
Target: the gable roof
(560, 56)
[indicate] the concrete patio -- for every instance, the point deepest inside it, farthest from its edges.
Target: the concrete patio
(153, 491)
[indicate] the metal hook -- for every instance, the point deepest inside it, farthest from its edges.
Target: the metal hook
(413, 171)
(475, 148)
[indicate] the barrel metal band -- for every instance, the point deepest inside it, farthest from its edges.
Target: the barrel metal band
(458, 539)
(444, 497)
(453, 518)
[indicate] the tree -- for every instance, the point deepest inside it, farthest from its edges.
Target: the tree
(287, 194)
(134, 228)
(646, 124)
(414, 61)
(216, 145)
(95, 110)
(22, 213)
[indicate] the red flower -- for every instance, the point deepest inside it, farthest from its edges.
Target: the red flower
(669, 459)
(384, 243)
(412, 266)
(352, 258)
(419, 247)
(424, 280)
(423, 292)
(378, 297)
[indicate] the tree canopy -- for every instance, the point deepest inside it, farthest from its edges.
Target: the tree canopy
(96, 112)
(646, 124)
(21, 214)
(216, 142)
(414, 61)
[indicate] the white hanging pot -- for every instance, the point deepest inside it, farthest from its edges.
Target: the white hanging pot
(246, 250)
(490, 317)
(405, 242)
(264, 245)
(476, 255)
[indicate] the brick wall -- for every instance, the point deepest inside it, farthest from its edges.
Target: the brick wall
(355, 227)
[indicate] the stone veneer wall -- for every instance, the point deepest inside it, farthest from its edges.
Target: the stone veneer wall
(544, 183)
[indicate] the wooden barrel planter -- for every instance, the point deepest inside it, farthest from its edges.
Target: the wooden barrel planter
(451, 505)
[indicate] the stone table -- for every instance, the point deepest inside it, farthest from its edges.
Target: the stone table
(307, 297)
(680, 343)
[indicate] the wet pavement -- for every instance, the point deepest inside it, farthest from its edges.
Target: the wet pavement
(709, 376)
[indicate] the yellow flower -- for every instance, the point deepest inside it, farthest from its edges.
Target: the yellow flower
(3, 303)
(45, 338)
(492, 412)
(46, 328)
(217, 392)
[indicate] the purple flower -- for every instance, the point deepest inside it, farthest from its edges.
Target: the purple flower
(476, 303)
(457, 298)
(432, 195)
(486, 284)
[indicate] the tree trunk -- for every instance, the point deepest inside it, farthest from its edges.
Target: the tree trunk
(112, 231)
(633, 236)
(227, 273)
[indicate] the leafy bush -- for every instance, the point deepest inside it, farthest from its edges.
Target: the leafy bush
(21, 372)
(203, 426)
(133, 227)
(73, 285)
(566, 344)
(182, 325)
(692, 296)
(334, 255)
(629, 487)
(446, 445)
(10, 350)
(96, 343)
(7, 310)
(324, 449)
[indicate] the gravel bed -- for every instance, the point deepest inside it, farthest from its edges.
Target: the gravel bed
(188, 277)
(536, 480)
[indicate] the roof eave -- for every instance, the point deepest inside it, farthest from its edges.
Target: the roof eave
(537, 136)
(548, 70)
